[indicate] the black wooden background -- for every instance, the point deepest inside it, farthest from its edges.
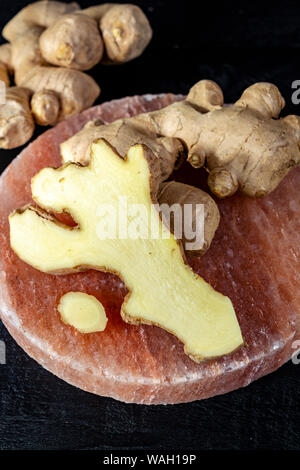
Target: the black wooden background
(236, 44)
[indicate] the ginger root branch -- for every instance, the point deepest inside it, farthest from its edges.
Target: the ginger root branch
(241, 146)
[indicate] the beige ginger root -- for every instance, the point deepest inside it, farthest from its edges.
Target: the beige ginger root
(125, 30)
(76, 39)
(16, 123)
(162, 289)
(60, 92)
(73, 41)
(242, 146)
(5, 57)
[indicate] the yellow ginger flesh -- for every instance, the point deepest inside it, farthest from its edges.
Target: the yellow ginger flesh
(163, 289)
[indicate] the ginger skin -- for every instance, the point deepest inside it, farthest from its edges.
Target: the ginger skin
(125, 30)
(56, 92)
(45, 107)
(242, 146)
(16, 123)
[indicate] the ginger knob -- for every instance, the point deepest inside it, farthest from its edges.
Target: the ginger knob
(45, 107)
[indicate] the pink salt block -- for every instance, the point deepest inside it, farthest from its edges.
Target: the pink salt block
(254, 259)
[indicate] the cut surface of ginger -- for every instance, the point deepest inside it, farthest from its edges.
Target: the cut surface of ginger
(82, 311)
(163, 289)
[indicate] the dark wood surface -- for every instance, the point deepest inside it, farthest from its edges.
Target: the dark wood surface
(236, 44)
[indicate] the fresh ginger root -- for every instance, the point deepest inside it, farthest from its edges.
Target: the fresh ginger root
(245, 146)
(82, 311)
(16, 123)
(78, 40)
(163, 289)
(242, 146)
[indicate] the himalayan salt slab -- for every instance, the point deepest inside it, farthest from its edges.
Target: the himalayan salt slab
(254, 259)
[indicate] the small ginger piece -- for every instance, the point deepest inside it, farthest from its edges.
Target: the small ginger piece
(244, 146)
(73, 41)
(207, 95)
(126, 32)
(45, 107)
(16, 123)
(163, 289)
(82, 311)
